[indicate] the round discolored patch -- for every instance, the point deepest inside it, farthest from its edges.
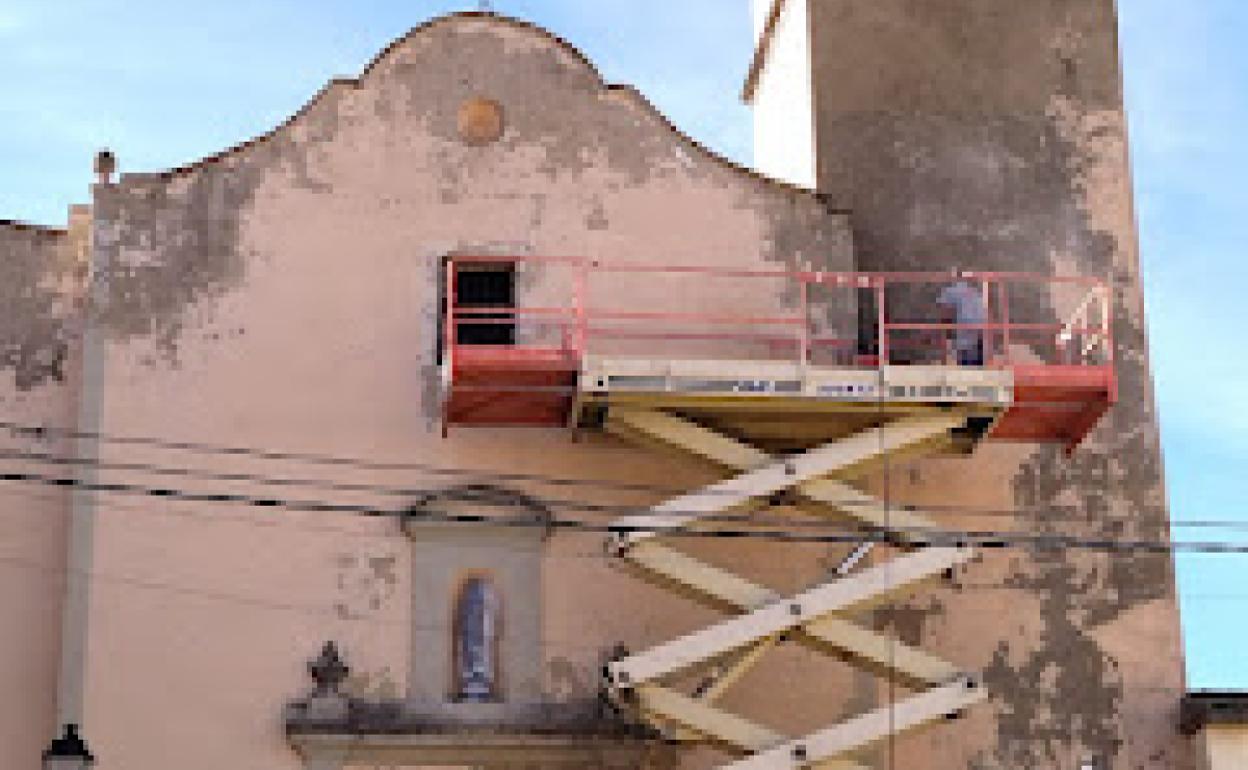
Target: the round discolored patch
(480, 121)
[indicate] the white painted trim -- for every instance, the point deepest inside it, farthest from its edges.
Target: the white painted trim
(781, 92)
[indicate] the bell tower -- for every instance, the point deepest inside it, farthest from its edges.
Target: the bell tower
(977, 132)
(991, 135)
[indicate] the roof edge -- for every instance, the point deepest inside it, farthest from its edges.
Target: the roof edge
(1202, 708)
(762, 50)
(353, 82)
(520, 24)
(17, 224)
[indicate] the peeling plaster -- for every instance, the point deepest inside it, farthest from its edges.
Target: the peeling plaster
(965, 136)
(42, 274)
(1025, 175)
(365, 583)
(173, 243)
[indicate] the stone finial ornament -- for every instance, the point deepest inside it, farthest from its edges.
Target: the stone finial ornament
(105, 165)
(326, 704)
(328, 671)
(480, 121)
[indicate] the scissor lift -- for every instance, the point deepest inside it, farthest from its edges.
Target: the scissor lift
(807, 421)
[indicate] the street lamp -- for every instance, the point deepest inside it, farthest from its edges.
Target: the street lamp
(68, 752)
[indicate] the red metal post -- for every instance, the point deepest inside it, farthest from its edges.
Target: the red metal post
(1003, 290)
(448, 330)
(1107, 323)
(987, 337)
(448, 344)
(804, 337)
(581, 299)
(881, 332)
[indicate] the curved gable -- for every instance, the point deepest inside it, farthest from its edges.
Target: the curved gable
(379, 163)
(538, 38)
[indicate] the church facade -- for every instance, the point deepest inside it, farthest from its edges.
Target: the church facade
(238, 531)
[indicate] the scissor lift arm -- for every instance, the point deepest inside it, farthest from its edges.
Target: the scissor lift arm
(812, 617)
(693, 381)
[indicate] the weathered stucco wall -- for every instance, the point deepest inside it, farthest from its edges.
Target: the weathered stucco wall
(982, 134)
(40, 292)
(41, 276)
(283, 295)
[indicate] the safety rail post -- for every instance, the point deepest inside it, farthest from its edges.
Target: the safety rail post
(804, 332)
(448, 343)
(1059, 342)
(1107, 326)
(580, 300)
(1003, 302)
(881, 332)
(1107, 323)
(987, 335)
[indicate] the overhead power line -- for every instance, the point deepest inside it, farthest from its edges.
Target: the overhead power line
(408, 492)
(313, 458)
(933, 537)
(1048, 513)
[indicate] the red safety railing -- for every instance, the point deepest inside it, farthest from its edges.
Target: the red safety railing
(566, 308)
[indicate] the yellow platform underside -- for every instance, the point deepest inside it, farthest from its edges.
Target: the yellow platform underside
(782, 406)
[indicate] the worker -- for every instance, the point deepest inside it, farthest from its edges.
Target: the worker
(962, 304)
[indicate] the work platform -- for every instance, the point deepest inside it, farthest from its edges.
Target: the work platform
(811, 381)
(767, 372)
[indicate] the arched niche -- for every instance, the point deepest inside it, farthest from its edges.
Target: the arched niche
(476, 599)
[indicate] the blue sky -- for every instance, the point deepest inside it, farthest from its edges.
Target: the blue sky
(1187, 96)
(162, 83)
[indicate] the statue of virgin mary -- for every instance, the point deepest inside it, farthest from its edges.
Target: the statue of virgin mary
(476, 656)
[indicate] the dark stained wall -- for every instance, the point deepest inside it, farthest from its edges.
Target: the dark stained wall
(990, 134)
(284, 295)
(38, 272)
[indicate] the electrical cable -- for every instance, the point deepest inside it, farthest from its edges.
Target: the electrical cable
(583, 505)
(312, 458)
(207, 448)
(931, 537)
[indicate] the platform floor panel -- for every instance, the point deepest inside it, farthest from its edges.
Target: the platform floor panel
(773, 380)
(784, 405)
(778, 404)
